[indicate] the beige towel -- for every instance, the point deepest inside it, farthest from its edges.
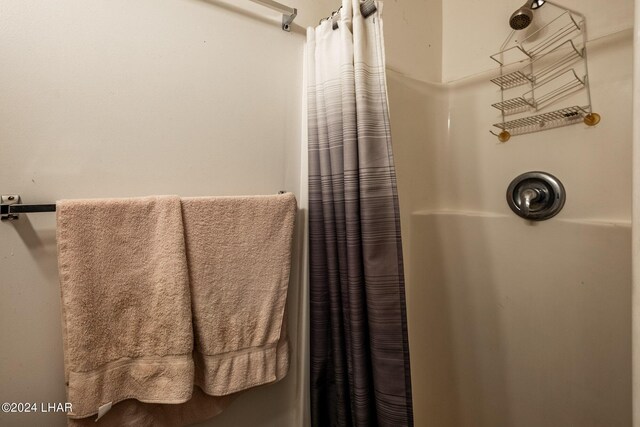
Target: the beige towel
(239, 251)
(125, 301)
(239, 255)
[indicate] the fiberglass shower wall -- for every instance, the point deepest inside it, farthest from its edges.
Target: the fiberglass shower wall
(513, 323)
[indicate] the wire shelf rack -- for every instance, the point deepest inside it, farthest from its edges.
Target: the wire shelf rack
(553, 119)
(555, 55)
(562, 57)
(561, 28)
(554, 89)
(513, 105)
(514, 79)
(564, 27)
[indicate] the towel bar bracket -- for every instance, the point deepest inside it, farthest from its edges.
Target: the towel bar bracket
(5, 202)
(10, 207)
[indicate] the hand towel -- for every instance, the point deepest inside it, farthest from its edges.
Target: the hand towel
(239, 257)
(126, 305)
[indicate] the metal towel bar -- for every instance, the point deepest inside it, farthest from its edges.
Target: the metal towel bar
(10, 207)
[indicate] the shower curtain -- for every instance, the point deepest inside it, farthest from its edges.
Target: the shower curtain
(360, 374)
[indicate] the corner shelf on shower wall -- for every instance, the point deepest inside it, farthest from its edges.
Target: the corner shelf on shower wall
(555, 70)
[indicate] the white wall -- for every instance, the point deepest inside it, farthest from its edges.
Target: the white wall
(121, 98)
(413, 38)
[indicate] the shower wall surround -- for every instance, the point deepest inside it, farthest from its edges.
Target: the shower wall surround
(511, 323)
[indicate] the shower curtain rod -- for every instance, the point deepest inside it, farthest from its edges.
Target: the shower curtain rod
(288, 13)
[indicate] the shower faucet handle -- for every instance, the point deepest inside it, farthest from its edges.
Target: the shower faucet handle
(527, 196)
(536, 196)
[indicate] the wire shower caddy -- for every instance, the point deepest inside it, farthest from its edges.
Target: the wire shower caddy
(555, 70)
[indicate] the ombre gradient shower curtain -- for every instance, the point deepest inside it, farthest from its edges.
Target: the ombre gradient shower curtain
(360, 374)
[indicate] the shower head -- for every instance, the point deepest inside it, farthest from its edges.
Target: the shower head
(521, 18)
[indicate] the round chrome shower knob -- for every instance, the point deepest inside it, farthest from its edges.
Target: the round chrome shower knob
(536, 196)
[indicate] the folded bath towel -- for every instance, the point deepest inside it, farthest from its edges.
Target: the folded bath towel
(123, 268)
(125, 302)
(239, 256)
